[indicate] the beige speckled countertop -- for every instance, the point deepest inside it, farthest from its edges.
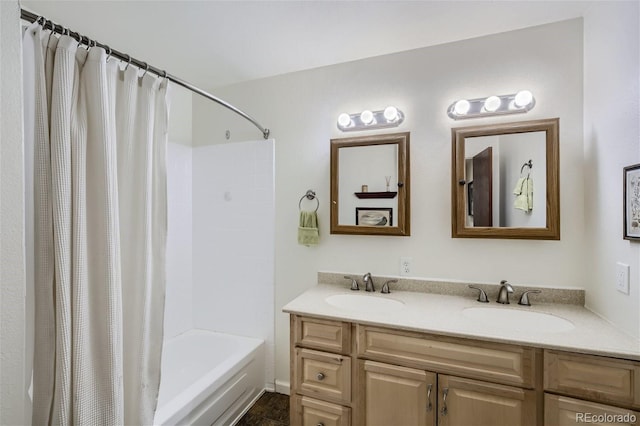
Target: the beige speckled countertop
(444, 315)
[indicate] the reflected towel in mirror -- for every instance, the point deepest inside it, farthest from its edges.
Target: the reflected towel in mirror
(524, 194)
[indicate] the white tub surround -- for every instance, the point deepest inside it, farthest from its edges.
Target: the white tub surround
(443, 315)
(209, 378)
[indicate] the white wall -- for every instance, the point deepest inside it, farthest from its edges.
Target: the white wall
(233, 241)
(13, 396)
(301, 109)
(612, 135)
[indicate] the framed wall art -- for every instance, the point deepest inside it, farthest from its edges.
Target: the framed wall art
(632, 203)
(374, 216)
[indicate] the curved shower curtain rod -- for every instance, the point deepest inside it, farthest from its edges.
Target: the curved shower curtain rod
(32, 17)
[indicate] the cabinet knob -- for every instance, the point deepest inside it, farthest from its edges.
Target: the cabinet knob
(320, 424)
(320, 376)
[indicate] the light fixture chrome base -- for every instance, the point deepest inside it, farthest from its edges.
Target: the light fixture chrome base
(378, 120)
(490, 106)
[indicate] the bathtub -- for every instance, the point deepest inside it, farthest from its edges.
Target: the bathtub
(209, 378)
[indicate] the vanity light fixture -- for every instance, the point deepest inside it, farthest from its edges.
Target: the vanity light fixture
(520, 102)
(369, 120)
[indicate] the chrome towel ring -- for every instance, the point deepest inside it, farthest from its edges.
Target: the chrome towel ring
(310, 195)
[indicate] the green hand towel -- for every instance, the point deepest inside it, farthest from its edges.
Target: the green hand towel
(308, 233)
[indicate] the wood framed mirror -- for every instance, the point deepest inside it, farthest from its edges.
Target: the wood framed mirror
(370, 185)
(505, 180)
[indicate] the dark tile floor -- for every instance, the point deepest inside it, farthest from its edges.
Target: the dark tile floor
(271, 409)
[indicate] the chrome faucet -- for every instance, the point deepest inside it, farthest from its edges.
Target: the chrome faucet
(354, 283)
(368, 282)
(503, 294)
(385, 286)
(524, 299)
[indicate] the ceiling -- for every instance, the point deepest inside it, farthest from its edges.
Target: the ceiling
(218, 43)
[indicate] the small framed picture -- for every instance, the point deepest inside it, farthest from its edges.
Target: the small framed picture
(374, 216)
(632, 203)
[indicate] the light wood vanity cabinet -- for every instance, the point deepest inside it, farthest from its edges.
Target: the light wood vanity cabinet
(347, 374)
(427, 395)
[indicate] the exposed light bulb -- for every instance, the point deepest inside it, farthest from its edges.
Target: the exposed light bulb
(492, 103)
(344, 119)
(462, 107)
(391, 113)
(366, 116)
(523, 98)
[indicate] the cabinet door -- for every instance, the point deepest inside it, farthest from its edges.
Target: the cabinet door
(475, 403)
(393, 395)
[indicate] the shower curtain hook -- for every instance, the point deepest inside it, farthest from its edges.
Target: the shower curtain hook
(146, 68)
(109, 52)
(128, 62)
(164, 75)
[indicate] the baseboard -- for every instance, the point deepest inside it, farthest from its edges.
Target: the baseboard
(283, 387)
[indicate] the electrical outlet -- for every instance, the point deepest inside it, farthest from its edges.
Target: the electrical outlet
(622, 278)
(405, 266)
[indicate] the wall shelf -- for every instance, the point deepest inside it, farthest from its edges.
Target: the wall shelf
(385, 194)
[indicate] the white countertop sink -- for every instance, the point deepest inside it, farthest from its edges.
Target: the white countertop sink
(364, 303)
(518, 320)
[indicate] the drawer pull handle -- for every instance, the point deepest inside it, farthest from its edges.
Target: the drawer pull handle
(320, 424)
(320, 376)
(429, 406)
(445, 392)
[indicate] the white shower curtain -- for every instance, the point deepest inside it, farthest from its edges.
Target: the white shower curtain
(100, 220)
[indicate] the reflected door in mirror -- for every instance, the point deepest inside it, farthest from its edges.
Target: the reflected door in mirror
(482, 176)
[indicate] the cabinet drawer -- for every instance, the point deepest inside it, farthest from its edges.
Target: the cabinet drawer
(565, 411)
(593, 377)
(323, 375)
(314, 412)
(497, 363)
(334, 336)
